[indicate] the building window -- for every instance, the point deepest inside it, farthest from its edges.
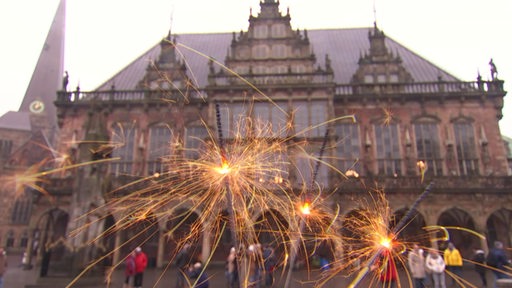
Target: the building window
(160, 141)
(22, 209)
(393, 78)
(260, 52)
(272, 168)
(10, 239)
(195, 137)
(279, 51)
(260, 70)
(299, 69)
(278, 31)
(388, 149)
(5, 148)
(310, 170)
(427, 147)
(279, 69)
(348, 147)
(261, 31)
(466, 148)
(309, 118)
(123, 140)
(24, 239)
(381, 78)
(368, 78)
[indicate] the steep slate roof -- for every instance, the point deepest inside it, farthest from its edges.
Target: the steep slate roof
(15, 121)
(344, 47)
(47, 76)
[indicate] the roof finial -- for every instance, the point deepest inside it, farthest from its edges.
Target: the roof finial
(374, 14)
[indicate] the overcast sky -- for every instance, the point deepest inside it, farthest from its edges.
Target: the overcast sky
(103, 36)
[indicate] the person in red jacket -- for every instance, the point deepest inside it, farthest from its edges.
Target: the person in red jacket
(141, 261)
(129, 270)
(386, 266)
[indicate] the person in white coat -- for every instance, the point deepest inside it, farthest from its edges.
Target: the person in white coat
(436, 265)
(416, 263)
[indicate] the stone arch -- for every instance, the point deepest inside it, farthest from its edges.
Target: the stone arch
(271, 228)
(143, 232)
(459, 225)
(51, 237)
(413, 231)
(498, 227)
(183, 225)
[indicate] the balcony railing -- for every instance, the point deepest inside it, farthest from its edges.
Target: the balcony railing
(420, 88)
(459, 88)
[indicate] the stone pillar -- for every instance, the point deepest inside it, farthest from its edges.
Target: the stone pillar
(480, 229)
(206, 249)
(161, 250)
(117, 252)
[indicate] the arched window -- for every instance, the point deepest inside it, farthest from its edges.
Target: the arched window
(310, 118)
(465, 148)
(428, 150)
(260, 52)
(348, 146)
(123, 140)
(160, 143)
(194, 140)
(387, 146)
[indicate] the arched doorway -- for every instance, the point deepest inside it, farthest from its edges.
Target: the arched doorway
(413, 231)
(460, 227)
(498, 227)
(51, 227)
(271, 229)
(142, 233)
(183, 226)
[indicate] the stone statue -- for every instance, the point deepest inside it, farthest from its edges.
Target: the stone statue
(65, 81)
(494, 70)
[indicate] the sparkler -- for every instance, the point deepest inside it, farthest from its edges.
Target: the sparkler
(244, 175)
(306, 210)
(385, 241)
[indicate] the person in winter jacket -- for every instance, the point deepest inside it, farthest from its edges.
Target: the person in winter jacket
(453, 262)
(141, 261)
(416, 263)
(198, 276)
(479, 261)
(497, 259)
(435, 264)
(129, 270)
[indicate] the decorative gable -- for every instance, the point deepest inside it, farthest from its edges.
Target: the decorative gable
(167, 72)
(379, 65)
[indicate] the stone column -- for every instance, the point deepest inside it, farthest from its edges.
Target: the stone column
(480, 228)
(206, 249)
(161, 250)
(117, 252)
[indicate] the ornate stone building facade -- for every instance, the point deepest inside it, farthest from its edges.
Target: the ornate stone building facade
(393, 109)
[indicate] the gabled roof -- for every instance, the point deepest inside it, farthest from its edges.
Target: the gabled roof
(35, 150)
(344, 47)
(15, 121)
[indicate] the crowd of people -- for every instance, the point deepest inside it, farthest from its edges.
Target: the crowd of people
(431, 268)
(441, 269)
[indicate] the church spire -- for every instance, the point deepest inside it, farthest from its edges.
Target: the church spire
(48, 75)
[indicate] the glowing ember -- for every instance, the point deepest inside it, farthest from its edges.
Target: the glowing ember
(305, 209)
